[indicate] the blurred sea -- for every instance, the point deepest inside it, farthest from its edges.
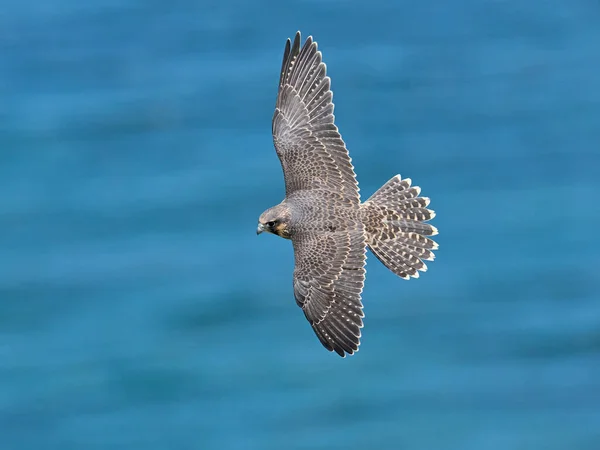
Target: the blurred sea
(138, 309)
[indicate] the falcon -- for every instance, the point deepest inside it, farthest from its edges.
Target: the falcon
(322, 214)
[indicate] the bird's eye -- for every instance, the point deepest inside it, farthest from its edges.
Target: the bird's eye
(271, 224)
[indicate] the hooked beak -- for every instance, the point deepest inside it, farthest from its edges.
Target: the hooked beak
(260, 229)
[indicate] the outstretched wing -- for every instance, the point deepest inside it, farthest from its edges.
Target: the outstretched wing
(309, 145)
(329, 277)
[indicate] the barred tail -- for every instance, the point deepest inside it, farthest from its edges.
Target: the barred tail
(394, 219)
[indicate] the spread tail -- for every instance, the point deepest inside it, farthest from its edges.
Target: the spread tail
(394, 219)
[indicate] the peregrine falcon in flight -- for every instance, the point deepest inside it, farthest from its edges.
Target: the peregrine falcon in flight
(322, 214)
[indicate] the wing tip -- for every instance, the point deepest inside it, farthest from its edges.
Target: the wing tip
(297, 43)
(345, 353)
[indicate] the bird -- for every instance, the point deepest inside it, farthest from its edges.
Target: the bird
(322, 213)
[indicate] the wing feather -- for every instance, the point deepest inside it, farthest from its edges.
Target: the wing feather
(328, 281)
(309, 145)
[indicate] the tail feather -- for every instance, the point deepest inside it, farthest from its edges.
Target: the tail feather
(419, 202)
(417, 240)
(394, 219)
(418, 252)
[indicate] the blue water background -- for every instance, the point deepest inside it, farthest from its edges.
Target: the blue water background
(138, 309)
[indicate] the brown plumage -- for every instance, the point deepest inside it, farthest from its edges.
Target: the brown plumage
(321, 213)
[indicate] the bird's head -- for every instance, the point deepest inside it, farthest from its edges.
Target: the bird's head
(275, 220)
